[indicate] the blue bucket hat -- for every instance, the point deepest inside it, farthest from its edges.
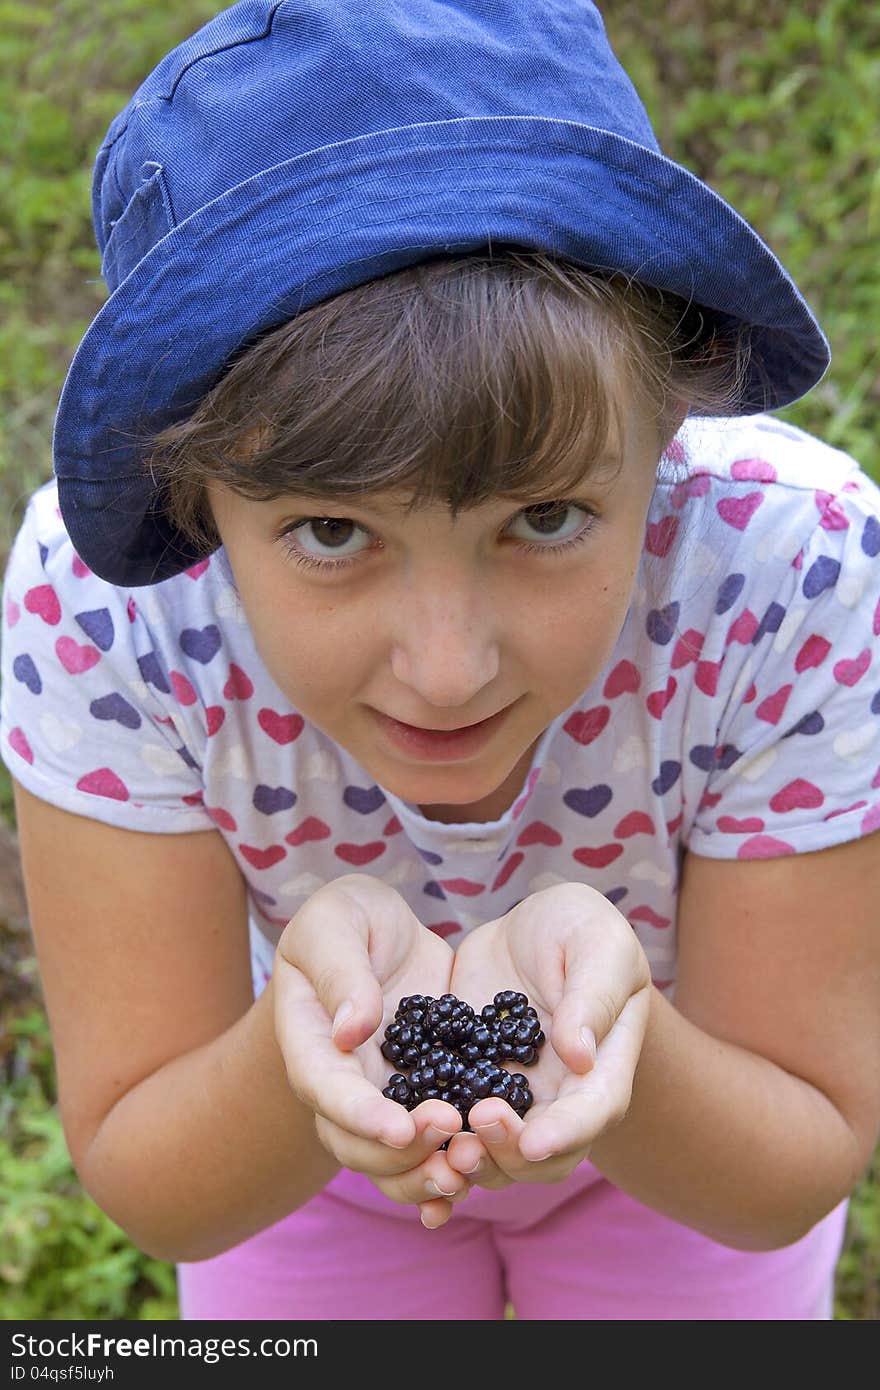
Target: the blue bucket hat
(287, 152)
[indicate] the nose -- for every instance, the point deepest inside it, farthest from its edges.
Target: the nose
(445, 644)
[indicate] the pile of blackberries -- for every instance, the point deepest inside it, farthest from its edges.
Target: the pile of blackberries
(452, 1053)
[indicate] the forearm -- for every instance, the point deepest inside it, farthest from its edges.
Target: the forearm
(211, 1148)
(725, 1141)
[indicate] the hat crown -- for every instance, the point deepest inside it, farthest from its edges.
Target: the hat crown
(264, 83)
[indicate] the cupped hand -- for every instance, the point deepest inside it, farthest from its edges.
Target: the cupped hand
(342, 965)
(582, 967)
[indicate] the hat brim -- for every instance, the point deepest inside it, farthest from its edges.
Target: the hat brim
(308, 228)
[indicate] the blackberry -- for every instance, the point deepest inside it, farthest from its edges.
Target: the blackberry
(449, 1020)
(454, 1054)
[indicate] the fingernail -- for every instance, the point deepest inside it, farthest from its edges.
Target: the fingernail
(493, 1134)
(346, 1008)
(437, 1136)
(468, 1172)
(434, 1191)
(538, 1158)
(588, 1038)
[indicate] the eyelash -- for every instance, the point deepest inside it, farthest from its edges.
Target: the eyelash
(312, 562)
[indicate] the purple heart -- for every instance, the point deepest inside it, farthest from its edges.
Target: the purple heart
(116, 708)
(152, 672)
(729, 591)
(263, 897)
(98, 625)
(363, 799)
(44, 554)
(615, 895)
(871, 537)
(771, 622)
(272, 799)
(588, 801)
(822, 574)
(188, 758)
(24, 670)
(813, 723)
(434, 890)
(875, 704)
(707, 757)
(201, 643)
(667, 777)
(429, 856)
(660, 623)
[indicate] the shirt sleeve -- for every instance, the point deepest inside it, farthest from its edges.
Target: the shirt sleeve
(797, 752)
(81, 725)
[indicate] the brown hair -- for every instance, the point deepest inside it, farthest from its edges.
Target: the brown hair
(462, 378)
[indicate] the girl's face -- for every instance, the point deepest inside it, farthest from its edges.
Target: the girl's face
(435, 651)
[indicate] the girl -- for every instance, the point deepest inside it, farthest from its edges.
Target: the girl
(426, 602)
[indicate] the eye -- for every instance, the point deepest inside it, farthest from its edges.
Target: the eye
(325, 538)
(554, 522)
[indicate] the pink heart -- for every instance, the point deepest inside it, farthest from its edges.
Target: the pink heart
(647, 914)
(80, 568)
(597, 858)
(812, 653)
(623, 680)
(585, 725)
(797, 796)
(360, 854)
(445, 929)
(738, 511)
(195, 571)
(221, 818)
(13, 612)
(706, 676)
(103, 782)
(508, 870)
(464, 887)
(773, 707)
(729, 825)
(833, 517)
(74, 658)
(239, 685)
(283, 728)
(697, 486)
(742, 629)
(393, 827)
(851, 672)
(764, 847)
(311, 829)
(131, 610)
(636, 823)
(659, 699)
(753, 470)
(215, 714)
(184, 691)
(18, 742)
(263, 858)
(537, 833)
(876, 622)
(660, 535)
(43, 601)
(871, 821)
(687, 648)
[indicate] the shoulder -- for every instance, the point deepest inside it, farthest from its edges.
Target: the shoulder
(758, 450)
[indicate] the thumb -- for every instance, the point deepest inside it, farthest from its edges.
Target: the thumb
(328, 942)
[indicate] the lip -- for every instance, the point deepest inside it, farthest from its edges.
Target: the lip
(440, 745)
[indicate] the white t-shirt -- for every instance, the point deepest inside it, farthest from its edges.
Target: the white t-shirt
(738, 716)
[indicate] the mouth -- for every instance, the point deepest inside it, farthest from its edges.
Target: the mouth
(464, 741)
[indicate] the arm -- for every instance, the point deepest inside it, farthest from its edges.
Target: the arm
(173, 1093)
(756, 1102)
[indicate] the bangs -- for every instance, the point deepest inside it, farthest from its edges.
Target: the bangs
(457, 380)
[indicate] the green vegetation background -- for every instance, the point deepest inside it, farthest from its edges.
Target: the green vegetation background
(774, 104)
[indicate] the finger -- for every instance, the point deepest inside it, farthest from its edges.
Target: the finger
(433, 1123)
(428, 1181)
(435, 1214)
(328, 940)
(586, 1013)
(329, 1081)
(594, 1102)
(468, 1156)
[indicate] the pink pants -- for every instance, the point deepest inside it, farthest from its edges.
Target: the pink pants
(579, 1251)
